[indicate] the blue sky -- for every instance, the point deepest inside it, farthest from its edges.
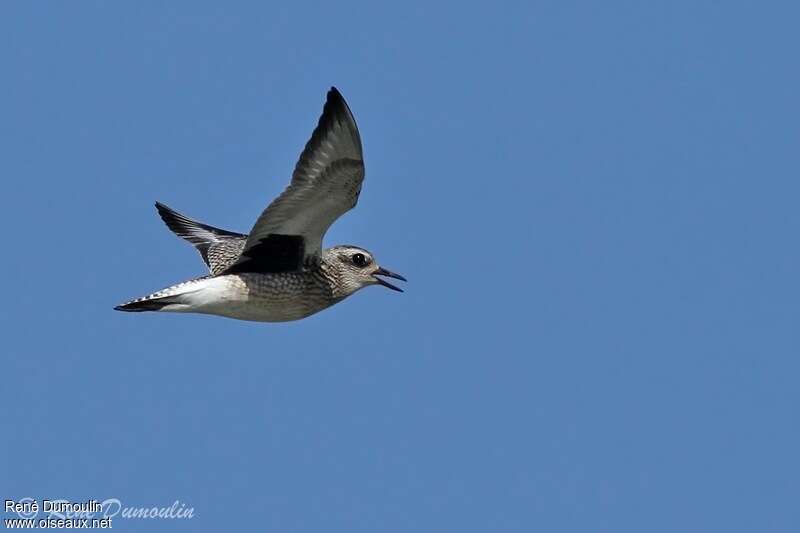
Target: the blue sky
(595, 205)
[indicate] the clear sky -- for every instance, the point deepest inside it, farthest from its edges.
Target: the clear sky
(596, 206)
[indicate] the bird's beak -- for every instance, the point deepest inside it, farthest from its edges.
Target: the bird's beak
(389, 274)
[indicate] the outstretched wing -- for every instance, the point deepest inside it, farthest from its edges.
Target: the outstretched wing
(325, 184)
(219, 248)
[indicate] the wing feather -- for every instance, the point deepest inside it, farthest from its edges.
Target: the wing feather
(325, 184)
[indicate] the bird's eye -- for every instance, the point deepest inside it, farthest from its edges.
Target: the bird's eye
(360, 260)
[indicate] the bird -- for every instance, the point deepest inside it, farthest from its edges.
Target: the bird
(279, 271)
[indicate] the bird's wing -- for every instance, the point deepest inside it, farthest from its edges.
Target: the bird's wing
(223, 254)
(325, 184)
(219, 248)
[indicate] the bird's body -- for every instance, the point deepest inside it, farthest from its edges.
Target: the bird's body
(257, 297)
(270, 297)
(279, 272)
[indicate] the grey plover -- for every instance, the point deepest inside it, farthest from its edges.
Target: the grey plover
(279, 271)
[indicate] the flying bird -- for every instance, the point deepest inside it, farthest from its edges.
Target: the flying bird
(279, 271)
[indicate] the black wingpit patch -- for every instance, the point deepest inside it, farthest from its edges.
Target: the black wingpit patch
(273, 253)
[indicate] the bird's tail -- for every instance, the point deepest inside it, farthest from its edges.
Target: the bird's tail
(176, 298)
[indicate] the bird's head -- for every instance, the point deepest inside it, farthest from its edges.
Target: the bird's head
(357, 268)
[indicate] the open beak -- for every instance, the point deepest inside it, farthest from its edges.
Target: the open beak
(389, 274)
